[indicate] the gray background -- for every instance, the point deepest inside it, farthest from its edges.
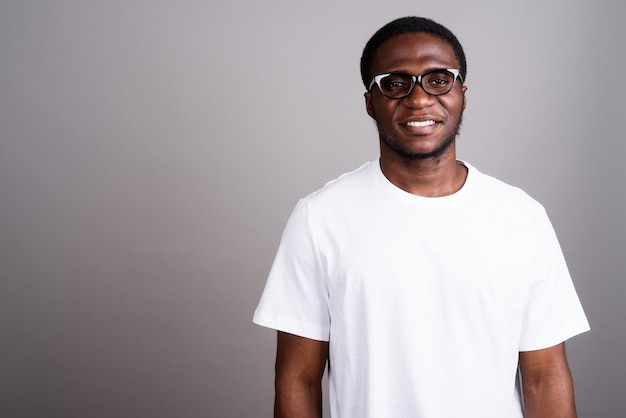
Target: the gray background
(151, 152)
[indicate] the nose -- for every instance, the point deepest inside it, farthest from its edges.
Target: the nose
(418, 98)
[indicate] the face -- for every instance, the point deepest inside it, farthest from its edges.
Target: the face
(419, 125)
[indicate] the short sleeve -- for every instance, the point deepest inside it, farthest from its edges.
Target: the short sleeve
(295, 298)
(553, 311)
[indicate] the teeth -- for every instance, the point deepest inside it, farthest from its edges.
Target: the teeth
(418, 124)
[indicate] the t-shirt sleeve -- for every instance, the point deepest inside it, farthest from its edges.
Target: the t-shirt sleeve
(295, 298)
(553, 310)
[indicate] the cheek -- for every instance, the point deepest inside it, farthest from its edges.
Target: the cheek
(383, 111)
(455, 106)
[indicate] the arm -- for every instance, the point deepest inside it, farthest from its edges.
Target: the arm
(547, 385)
(300, 364)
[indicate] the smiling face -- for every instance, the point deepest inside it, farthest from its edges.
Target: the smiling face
(418, 126)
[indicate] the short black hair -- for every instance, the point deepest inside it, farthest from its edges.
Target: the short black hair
(408, 24)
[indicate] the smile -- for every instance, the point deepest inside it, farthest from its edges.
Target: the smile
(420, 124)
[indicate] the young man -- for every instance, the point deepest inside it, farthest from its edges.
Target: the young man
(424, 283)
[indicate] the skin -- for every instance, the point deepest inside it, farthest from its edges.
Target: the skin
(422, 161)
(300, 364)
(547, 386)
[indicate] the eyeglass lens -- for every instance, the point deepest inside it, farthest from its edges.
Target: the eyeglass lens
(436, 83)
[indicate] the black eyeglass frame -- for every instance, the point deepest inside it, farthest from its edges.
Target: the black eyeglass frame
(416, 79)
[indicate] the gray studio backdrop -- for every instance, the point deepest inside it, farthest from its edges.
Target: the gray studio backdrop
(151, 151)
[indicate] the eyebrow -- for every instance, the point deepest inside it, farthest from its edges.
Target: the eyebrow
(416, 75)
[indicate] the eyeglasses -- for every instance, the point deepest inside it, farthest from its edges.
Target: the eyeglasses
(398, 85)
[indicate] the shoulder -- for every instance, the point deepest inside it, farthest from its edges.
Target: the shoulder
(345, 187)
(338, 200)
(505, 203)
(496, 191)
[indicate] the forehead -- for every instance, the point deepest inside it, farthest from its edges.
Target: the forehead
(414, 51)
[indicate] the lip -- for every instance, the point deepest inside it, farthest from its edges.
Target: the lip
(419, 118)
(420, 124)
(424, 124)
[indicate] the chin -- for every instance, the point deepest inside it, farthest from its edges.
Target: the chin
(411, 154)
(394, 145)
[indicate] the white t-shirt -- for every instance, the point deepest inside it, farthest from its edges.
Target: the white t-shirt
(426, 302)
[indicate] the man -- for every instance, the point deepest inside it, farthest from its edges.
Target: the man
(431, 289)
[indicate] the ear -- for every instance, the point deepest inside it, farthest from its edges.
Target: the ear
(464, 88)
(369, 106)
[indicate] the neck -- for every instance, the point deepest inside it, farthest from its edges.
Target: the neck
(429, 177)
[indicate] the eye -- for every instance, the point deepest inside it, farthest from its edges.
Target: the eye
(395, 83)
(438, 80)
